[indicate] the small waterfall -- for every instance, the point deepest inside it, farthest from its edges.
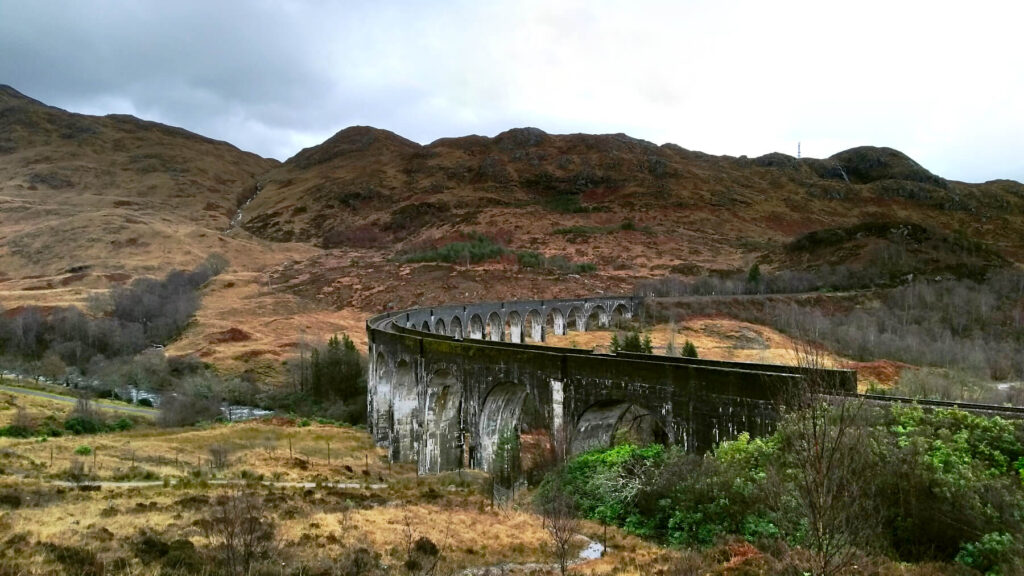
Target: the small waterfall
(237, 218)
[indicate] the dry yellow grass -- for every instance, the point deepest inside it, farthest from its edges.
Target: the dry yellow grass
(314, 523)
(251, 448)
(726, 339)
(35, 408)
(715, 339)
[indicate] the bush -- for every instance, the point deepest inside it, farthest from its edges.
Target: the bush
(476, 248)
(76, 560)
(83, 450)
(16, 431)
(150, 548)
(123, 424)
(182, 558)
(631, 342)
(79, 425)
(607, 483)
(194, 402)
(994, 550)
(923, 482)
(10, 500)
(241, 531)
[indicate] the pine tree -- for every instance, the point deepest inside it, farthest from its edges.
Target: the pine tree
(689, 350)
(646, 346)
(754, 274)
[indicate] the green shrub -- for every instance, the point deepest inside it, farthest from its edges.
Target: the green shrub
(476, 248)
(123, 424)
(606, 483)
(928, 480)
(988, 554)
(79, 425)
(16, 431)
(83, 450)
(631, 342)
(530, 259)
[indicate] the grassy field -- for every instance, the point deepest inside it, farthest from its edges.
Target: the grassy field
(380, 507)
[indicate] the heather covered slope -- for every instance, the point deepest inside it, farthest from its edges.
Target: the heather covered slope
(339, 231)
(369, 188)
(111, 194)
(629, 207)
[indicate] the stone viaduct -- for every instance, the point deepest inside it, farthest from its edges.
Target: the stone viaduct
(447, 383)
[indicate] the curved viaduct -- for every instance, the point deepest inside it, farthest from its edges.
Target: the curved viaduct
(449, 383)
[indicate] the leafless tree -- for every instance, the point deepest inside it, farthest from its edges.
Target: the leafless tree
(242, 531)
(558, 510)
(829, 458)
(219, 455)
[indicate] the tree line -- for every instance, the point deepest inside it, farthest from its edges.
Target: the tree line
(126, 321)
(973, 327)
(327, 380)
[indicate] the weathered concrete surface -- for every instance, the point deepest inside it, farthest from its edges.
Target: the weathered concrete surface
(443, 397)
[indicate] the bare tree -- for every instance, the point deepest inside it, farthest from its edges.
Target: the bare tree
(241, 531)
(829, 461)
(220, 454)
(558, 510)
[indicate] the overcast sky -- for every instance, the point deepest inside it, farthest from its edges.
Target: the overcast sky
(941, 81)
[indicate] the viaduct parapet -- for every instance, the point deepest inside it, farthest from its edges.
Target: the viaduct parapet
(449, 383)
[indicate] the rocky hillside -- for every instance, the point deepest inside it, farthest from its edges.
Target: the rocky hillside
(340, 230)
(114, 193)
(623, 203)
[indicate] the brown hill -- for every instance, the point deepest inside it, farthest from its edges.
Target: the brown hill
(113, 193)
(632, 208)
(89, 201)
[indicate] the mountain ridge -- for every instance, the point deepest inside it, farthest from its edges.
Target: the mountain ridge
(325, 237)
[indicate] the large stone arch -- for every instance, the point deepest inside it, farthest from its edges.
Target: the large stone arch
(455, 327)
(425, 326)
(609, 423)
(507, 415)
(597, 319)
(381, 399)
(439, 327)
(514, 327)
(620, 314)
(405, 407)
(494, 328)
(476, 327)
(554, 322)
(533, 326)
(442, 439)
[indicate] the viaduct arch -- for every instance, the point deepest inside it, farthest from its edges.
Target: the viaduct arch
(447, 383)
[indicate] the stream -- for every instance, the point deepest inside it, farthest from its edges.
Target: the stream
(592, 551)
(237, 218)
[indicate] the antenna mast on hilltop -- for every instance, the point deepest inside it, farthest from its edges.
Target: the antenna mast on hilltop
(798, 150)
